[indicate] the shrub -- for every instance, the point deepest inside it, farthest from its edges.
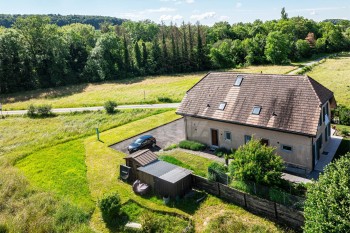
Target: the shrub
(165, 100)
(221, 151)
(171, 147)
(217, 172)
(258, 163)
(344, 115)
(3, 228)
(110, 106)
(110, 206)
(192, 145)
(44, 110)
(328, 200)
(344, 132)
(31, 111)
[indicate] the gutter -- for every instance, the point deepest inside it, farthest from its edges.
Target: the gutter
(254, 126)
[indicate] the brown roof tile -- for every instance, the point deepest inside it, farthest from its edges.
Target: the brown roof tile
(143, 157)
(288, 102)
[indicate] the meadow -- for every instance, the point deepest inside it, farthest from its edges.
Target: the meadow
(140, 90)
(335, 75)
(61, 165)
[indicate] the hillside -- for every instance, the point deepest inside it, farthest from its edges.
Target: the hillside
(7, 20)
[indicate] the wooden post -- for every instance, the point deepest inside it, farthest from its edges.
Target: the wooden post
(98, 134)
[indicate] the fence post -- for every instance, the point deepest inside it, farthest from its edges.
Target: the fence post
(245, 200)
(219, 189)
(276, 213)
(254, 188)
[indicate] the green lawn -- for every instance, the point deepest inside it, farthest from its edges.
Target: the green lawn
(60, 169)
(197, 164)
(21, 136)
(153, 89)
(335, 75)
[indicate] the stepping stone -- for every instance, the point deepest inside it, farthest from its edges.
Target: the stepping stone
(134, 225)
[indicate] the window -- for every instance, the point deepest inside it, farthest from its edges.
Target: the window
(256, 110)
(228, 135)
(247, 138)
(222, 105)
(239, 80)
(324, 114)
(287, 148)
(264, 141)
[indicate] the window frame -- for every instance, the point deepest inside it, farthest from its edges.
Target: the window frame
(266, 140)
(238, 81)
(225, 104)
(225, 136)
(285, 150)
(246, 138)
(256, 107)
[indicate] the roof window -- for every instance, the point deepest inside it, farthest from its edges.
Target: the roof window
(222, 105)
(256, 110)
(239, 80)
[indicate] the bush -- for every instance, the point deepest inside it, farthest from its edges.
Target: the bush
(171, 147)
(44, 110)
(31, 111)
(110, 106)
(328, 200)
(258, 163)
(192, 145)
(3, 228)
(40, 110)
(221, 151)
(344, 115)
(217, 172)
(110, 206)
(165, 100)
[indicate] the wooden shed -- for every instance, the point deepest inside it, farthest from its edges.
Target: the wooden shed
(139, 159)
(166, 179)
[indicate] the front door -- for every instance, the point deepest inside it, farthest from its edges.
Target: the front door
(214, 137)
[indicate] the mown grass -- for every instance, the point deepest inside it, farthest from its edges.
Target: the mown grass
(335, 75)
(60, 169)
(21, 136)
(197, 164)
(141, 90)
(103, 170)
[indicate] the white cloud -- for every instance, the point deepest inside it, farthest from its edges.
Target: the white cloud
(177, 2)
(189, 1)
(170, 17)
(206, 15)
(224, 18)
(238, 5)
(313, 12)
(160, 10)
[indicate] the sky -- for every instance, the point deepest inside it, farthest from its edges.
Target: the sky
(205, 11)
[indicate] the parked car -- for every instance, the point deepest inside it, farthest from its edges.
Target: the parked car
(142, 142)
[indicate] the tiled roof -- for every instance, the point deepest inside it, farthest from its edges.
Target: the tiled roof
(288, 102)
(143, 157)
(165, 171)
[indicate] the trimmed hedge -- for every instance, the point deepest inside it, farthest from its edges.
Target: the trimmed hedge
(192, 145)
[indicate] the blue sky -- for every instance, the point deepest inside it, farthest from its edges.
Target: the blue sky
(205, 11)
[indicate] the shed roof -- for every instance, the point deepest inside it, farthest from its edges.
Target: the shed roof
(143, 157)
(288, 103)
(165, 171)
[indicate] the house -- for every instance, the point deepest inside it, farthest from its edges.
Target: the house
(164, 178)
(288, 112)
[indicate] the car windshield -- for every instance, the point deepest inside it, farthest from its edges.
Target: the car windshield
(139, 141)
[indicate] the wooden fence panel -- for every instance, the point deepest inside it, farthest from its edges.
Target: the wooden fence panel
(289, 216)
(232, 195)
(261, 206)
(206, 185)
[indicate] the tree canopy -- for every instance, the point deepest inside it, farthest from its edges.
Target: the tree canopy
(38, 52)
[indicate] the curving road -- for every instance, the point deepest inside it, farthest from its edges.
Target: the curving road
(98, 108)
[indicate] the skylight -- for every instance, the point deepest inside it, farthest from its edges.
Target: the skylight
(239, 80)
(256, 110)
(222, 105)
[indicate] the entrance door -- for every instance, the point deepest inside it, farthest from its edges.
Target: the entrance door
(214, 137)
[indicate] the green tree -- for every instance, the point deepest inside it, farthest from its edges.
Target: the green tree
(105, 60)
(277, 48)
(303, 49)
(127, 61)
(144, 55)
(284, 14)
(328, 200)
(200, 51)
(258, 163)
(138, 55)
(156, 53)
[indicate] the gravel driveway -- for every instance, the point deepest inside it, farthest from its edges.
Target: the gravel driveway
(168, 134)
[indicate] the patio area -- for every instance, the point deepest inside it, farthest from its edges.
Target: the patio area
(326, 156)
